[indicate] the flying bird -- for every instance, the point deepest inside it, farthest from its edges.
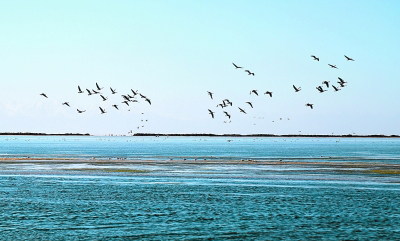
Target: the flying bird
(333, 66)
(126, 102)
(254, 91)
(89, 93)
(80, 111)
(115, 106)
(326, 83)
(79, 90)
(315, 58)
(248, 102)
(113, 91)
(102, 110)
(211, 113)
(341, 80)
(296, 89)
(237, 67)
(335, 88)
(134, 92)
(228, 115)
(104, 98)
(348, 58)
(241, 110)
(268, 93)
(249, 73)
(319, 88)
(310, 105)
(66, 103)
(95, 92)
(148, 100)
(210, 94)
(98, 87)
(43, 94)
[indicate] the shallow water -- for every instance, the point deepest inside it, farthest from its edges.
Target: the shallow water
(166, 200)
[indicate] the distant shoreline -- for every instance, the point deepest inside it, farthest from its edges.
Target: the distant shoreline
(206, 135)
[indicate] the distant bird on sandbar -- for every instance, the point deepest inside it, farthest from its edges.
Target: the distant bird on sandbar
(310, 105)
(89, 93)
(296, 89)
(348, 58)
(319, 88)
(104, 98)
(102, 110)
(228, 115)
(268, 93)
(241, 110)
(335, 88)
(43, 94)
(98, 87)
(211, 113)
(315, 58)
(210, 94)
(80, 111)
(79, 90)
(326, 83)
(113, 91)
(248, 72)
(251, 105)
(237, 67)
(148, 100)
(115, 106)
(333, 66)
(66, 103)
(254, 91)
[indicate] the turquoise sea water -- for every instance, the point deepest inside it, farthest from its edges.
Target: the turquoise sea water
(165, 200)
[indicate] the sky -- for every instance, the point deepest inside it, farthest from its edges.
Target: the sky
(173, 52)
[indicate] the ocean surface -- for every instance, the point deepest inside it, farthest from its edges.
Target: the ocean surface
(321, 190)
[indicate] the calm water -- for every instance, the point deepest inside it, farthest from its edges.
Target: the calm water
(178, 201)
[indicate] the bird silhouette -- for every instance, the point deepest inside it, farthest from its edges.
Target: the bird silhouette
(113, 91)
(66, 103)
(248, 72)
(333, 66)
(319, 88)
(43, 94)
(315, 58)
(126, 102)
(148, 100)
(79, 90)
(115, 106)
(310, 105)
(237, 67)
(211, 113)
(254, 91)
(98, 87)
(348, 58)
(335, 88)
(341, 80)
(210, 94)
(268, 93)
(104, 98)
(95, 92)
(134, 92)
(89, 93)
(241, 110)
(228, 115)
(102, 110)
(296, 89)
(326, 83)
(251, 105)
(80, 111)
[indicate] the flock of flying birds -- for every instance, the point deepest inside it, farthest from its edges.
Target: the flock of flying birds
(227, 103)
(127, 99)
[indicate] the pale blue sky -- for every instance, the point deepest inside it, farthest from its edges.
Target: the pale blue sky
(176, 51)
